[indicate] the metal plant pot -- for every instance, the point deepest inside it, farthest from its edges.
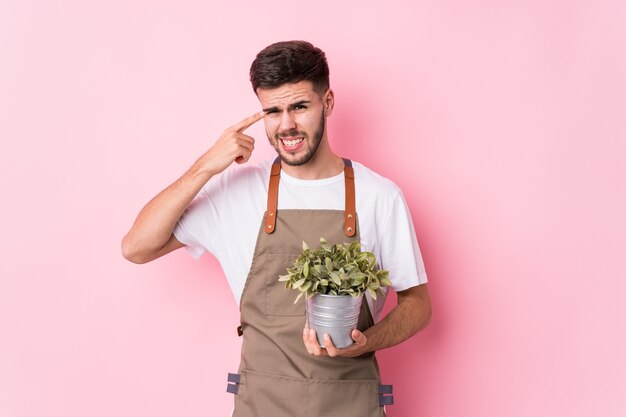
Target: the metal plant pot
(336, 315)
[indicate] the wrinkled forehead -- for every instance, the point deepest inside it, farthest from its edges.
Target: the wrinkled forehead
(287, 94)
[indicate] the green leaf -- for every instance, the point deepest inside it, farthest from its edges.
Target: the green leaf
(372, 293)
(372, 262)
(359, 278)
(304, 246)
(305, 269)
(298, 297)
(284, 277)
(329, 264)
(385, 282)
(334, 276)
(298, 283)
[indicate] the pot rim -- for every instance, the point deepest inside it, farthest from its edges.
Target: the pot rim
(331, 295)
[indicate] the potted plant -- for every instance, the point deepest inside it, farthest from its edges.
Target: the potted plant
(333, 279)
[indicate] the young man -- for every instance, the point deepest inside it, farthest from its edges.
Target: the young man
(255, 227)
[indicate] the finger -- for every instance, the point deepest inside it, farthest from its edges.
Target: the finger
(244, 157)
(243, 148)
(246, 146)
(305, 339)
(246, 142)
(358, 337)
(314, 346)
(330, 348)
(248, 121)
(316, 349)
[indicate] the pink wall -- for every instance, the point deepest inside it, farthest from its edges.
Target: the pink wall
(502, 121)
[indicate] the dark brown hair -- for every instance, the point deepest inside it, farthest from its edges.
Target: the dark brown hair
(290, 62)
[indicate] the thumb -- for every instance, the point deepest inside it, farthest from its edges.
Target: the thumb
(358, 337)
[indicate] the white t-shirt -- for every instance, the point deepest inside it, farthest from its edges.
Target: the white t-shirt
(225, 217)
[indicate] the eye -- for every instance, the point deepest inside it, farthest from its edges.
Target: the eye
(299, 107)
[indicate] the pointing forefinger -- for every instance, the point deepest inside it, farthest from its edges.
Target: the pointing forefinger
(248, 121)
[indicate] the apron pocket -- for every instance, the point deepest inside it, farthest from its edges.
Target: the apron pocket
(342, 398)
(279, 301)
(268, 395)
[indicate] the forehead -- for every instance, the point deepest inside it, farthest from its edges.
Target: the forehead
(286, 94)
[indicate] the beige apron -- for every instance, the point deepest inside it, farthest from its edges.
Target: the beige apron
(277, 376)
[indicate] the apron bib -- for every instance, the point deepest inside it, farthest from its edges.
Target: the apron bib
(277, 376)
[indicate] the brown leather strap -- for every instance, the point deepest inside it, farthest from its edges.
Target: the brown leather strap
(349, 226)
(272, 198)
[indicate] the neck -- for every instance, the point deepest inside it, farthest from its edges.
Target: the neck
(324, 164)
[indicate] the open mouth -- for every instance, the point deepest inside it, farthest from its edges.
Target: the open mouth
(292, 143)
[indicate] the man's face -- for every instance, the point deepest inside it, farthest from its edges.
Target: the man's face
(295, 121)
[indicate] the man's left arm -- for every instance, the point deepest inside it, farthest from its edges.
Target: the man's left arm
(410, 315)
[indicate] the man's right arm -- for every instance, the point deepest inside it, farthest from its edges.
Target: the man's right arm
(151, 236)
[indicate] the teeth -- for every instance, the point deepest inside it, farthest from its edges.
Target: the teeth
(291, 143)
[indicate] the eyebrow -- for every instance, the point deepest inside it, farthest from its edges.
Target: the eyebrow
(299, 103)
(291, 106)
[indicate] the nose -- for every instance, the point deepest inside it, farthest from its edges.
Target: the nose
(287, 121)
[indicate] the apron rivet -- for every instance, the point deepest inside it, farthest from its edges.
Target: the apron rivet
(349, 229)
(269, 226)
(349, 216)
(272, 213)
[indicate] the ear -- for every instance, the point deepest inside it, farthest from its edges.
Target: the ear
(329, 102)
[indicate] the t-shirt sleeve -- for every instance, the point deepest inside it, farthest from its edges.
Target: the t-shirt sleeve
(193, 226)
(400, 252)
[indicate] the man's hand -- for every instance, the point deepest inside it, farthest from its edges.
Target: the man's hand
(231, 146)
(309, 337)
(412, 314)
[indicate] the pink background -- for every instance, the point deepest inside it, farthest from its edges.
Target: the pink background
(502, 121)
